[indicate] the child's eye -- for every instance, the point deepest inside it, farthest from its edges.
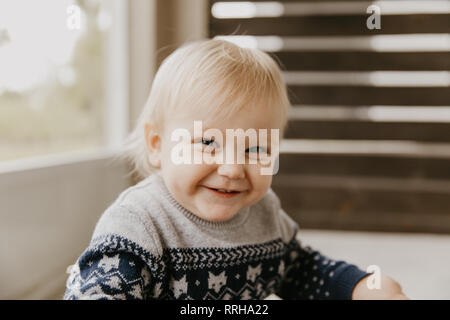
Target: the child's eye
(207, 141)
(210, 145)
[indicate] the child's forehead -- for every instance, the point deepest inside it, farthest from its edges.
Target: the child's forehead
(244, 119)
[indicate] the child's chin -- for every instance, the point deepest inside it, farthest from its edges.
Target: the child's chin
(220, 216)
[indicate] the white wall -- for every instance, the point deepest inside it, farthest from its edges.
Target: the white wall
(47, 216)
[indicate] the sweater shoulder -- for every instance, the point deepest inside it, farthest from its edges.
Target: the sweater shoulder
(131, 218)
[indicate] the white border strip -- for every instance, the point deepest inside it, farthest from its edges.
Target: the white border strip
(371, 78)
(240, 10)
(432, 42)
(116, 111)
(60, 159)
(371, 113)
(366, 147)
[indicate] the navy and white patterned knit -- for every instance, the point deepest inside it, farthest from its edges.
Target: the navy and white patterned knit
(147, 246)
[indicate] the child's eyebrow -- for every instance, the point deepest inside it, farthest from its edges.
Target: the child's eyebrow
(268, 133)
(203, 133)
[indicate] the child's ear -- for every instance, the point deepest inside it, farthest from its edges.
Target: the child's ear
(153, 141)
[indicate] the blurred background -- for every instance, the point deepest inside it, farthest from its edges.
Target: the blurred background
(364, 166)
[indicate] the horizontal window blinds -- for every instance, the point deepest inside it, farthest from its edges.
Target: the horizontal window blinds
(368, 141)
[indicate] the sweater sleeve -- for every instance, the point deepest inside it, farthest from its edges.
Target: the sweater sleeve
(308, 274)
(102, 273)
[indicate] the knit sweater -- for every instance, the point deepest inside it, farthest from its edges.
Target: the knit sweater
(146, 245)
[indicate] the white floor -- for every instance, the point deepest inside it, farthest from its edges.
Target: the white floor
(419, 262)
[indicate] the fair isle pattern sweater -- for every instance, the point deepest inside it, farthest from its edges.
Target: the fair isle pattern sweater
(147, 246)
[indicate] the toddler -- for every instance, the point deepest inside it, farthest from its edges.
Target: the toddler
(209, 229)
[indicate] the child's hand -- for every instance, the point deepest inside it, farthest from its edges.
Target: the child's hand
(389, 290)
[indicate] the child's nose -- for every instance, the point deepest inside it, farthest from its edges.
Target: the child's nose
(232, 171)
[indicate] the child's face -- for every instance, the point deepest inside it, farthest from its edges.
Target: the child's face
(192, 184)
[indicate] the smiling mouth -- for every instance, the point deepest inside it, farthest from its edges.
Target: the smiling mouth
(223, 193)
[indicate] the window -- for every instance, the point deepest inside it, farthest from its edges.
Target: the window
(56, 63)
(61, 196)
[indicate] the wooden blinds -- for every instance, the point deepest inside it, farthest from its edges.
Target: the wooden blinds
(368, 143)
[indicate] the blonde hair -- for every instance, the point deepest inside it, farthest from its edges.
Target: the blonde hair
(213, 75)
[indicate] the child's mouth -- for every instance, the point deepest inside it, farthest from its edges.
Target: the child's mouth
(223, 193)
